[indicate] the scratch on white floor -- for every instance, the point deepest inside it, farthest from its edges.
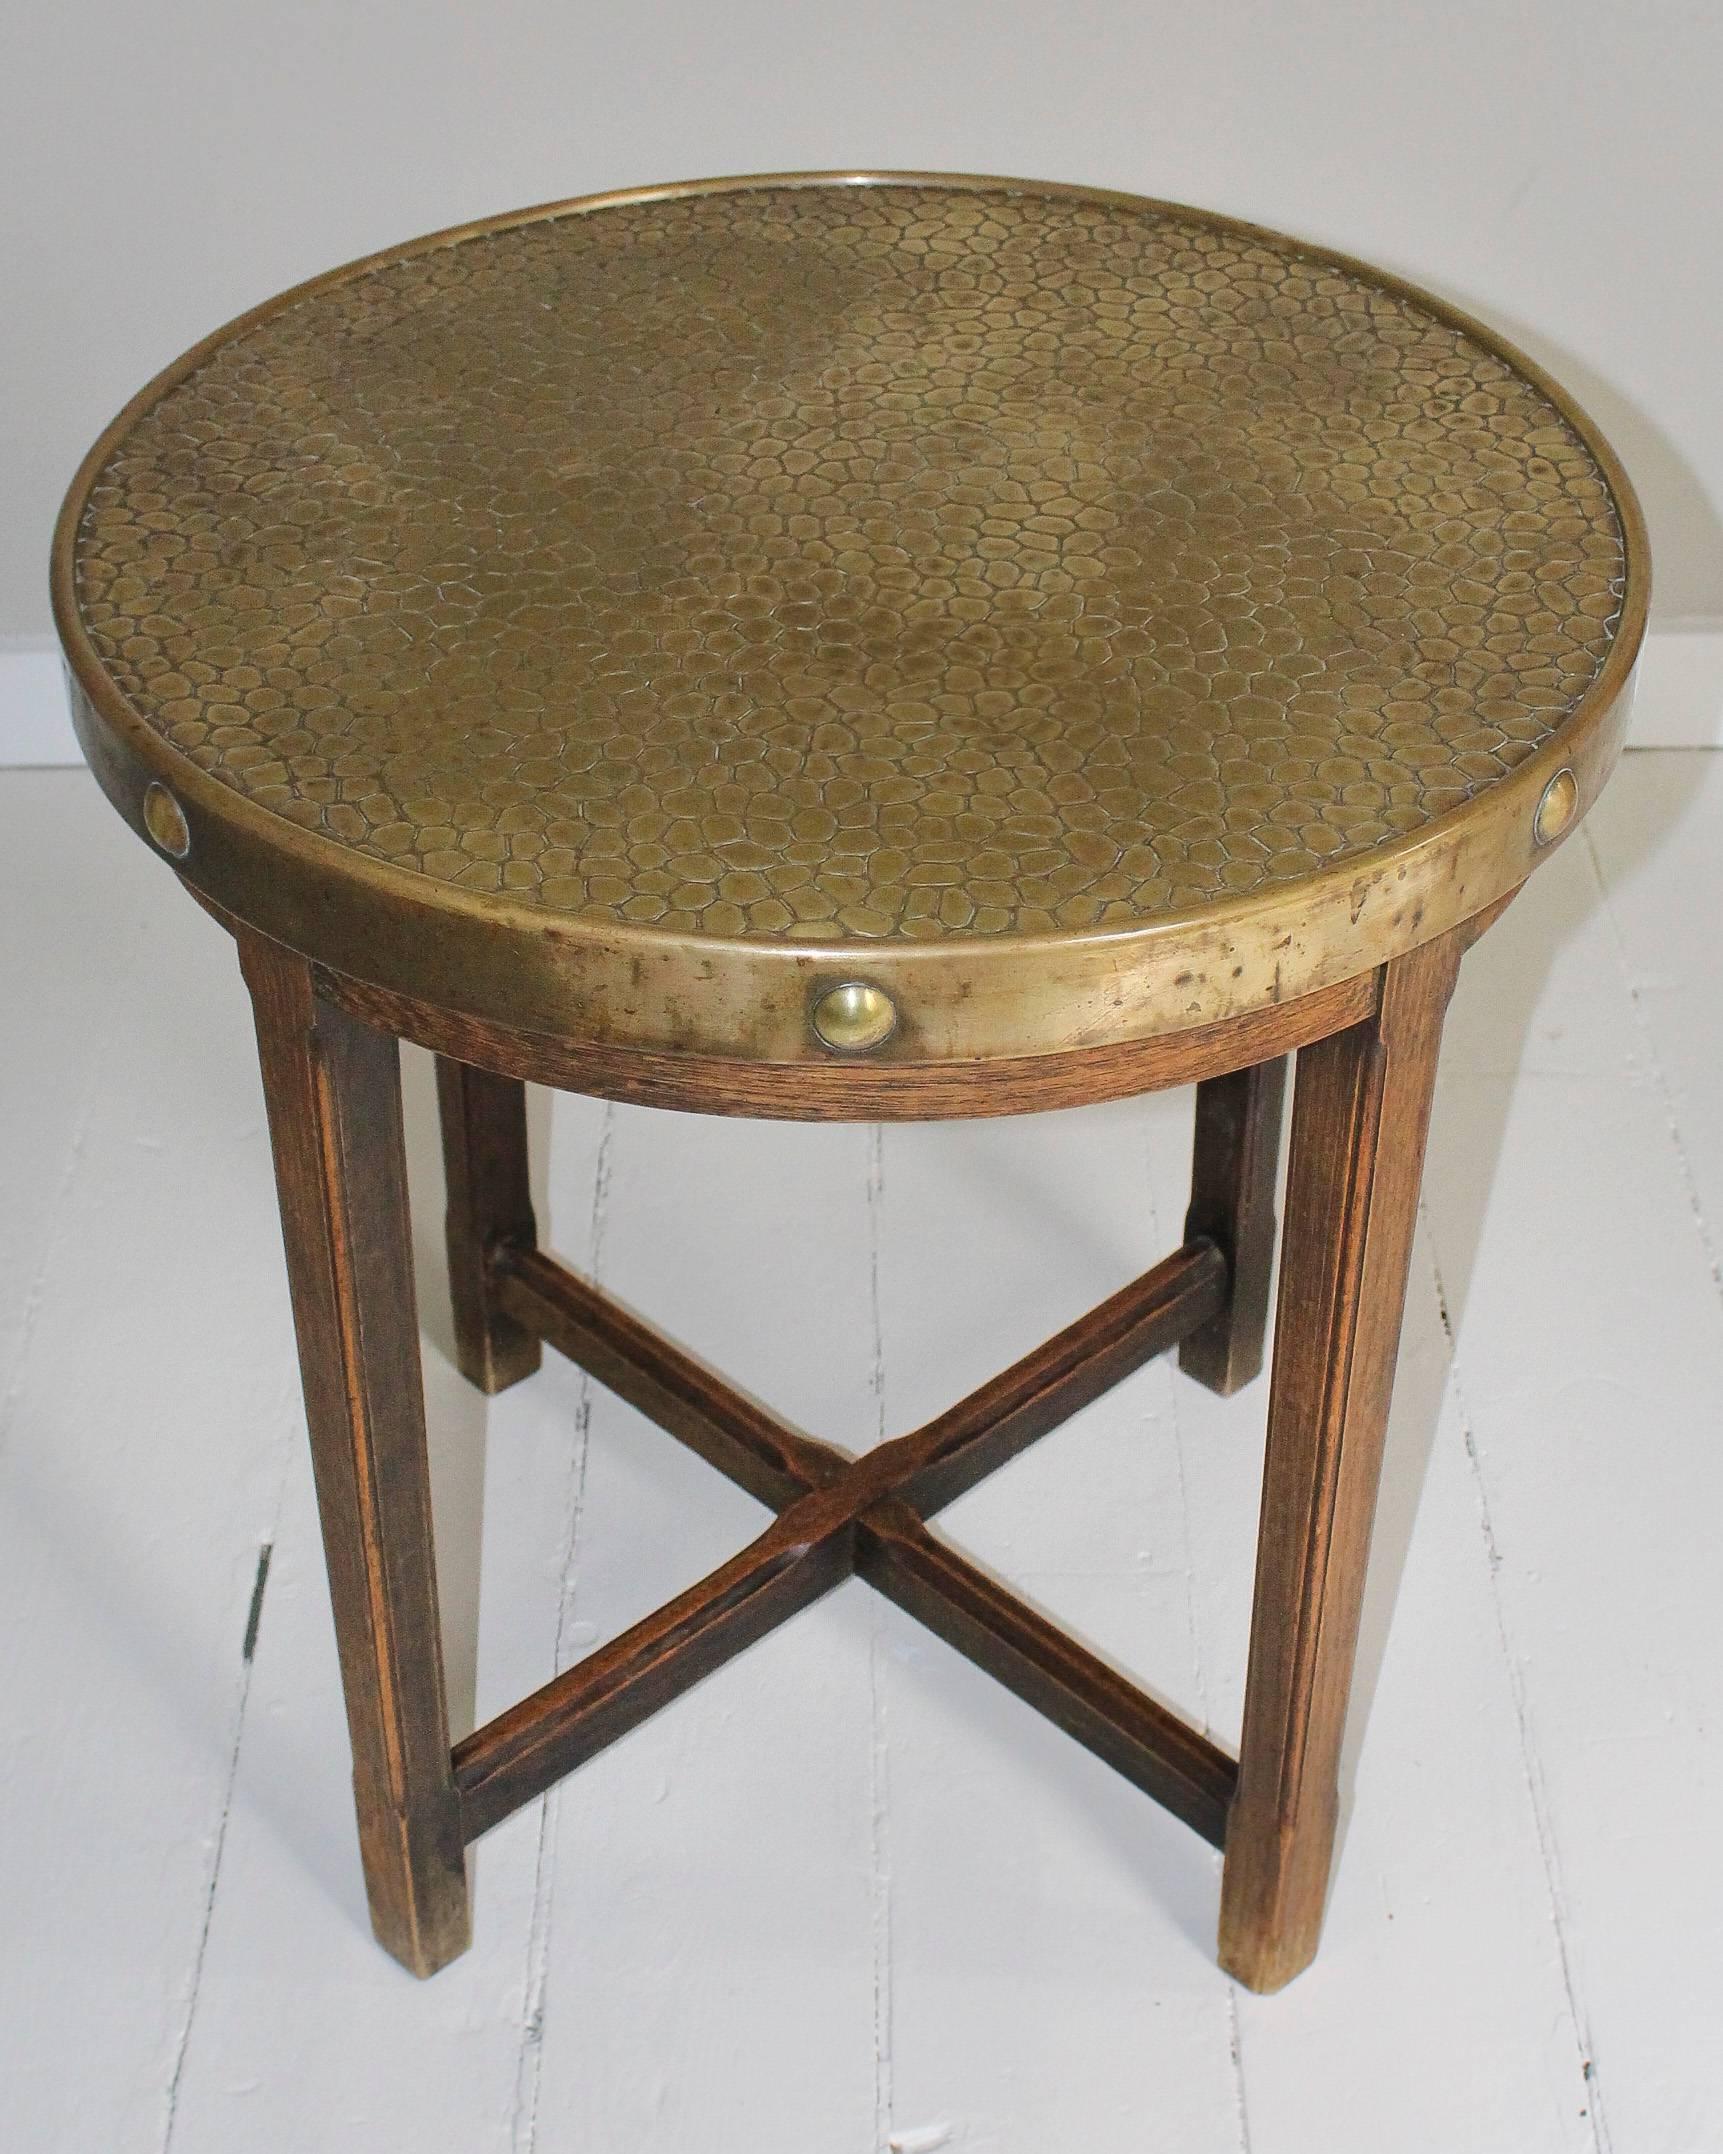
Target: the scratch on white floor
(1537, 1794)
(1654, 1064)
(194, 1983)
(288, 1422)
(254, 1614)
(523, 2123)
(879, 1780)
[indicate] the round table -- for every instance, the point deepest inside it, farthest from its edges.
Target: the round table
(853, 646)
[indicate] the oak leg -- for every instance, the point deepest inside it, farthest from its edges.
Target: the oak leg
(1233, 1162)
(1361, 1109)
(332, 1087)
(490, 1207)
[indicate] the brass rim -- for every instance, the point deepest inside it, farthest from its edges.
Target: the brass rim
(1034, 992)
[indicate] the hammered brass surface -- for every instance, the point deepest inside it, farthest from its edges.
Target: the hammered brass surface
(854, 563)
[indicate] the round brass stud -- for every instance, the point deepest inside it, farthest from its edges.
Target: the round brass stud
(165, 821)
(854, 1017)
(1555, 809)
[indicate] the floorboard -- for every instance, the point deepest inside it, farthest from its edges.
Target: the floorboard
(849, 1895)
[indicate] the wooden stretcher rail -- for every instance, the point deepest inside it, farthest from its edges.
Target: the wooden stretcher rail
(801, 1555)
(930, 1467)
(733, 1433)
(840, 1515)
(1135, 1734)
(961, 1447)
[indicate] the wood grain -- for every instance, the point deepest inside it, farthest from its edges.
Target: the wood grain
(1235, 1157)
(663, 1381)
(935, 1464)
(826, 1500)
(1442, 1946)
(333, 1092)
(932, 1465)
(804, 1553)
(1363, 1099)
(1361, 1109)
(489, 1191)
(830, 1089)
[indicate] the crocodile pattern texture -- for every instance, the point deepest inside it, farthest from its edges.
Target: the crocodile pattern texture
(834, 563)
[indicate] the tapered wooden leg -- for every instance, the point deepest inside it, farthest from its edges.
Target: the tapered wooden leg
(1361, 1108)
(1233, 1165)
(490, 1208)
(332, 1086)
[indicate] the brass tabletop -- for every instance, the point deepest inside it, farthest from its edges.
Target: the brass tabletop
(1072, 616)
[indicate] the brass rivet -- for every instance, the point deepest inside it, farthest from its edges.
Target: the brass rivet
(854, 1017)
(165, 821)
(1555, 809)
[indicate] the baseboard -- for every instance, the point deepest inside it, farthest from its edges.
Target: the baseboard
(1678, 702)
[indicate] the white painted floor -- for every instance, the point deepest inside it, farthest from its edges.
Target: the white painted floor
(848, 1896)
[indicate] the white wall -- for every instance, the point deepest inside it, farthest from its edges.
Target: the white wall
(1552, 164)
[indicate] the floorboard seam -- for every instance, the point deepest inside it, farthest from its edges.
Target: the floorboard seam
(523, 2122)
(1235, 2048)
(879, 1784)
(1168, 1371)
(1169, 1381)
(1593, 2112)
(100, 1062)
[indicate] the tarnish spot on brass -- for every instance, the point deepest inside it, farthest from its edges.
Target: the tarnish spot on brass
(165, 821)
(854, 1018)
(1555, 809)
